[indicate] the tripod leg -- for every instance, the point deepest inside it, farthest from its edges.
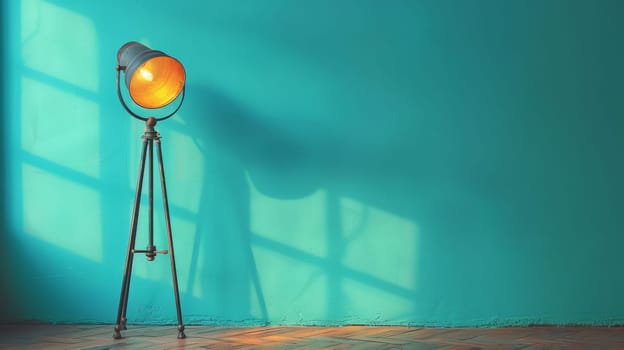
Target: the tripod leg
(174, 275)
(150, 185)
(147, 143)
(125, 285)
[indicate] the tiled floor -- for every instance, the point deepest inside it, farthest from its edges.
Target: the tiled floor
(99, 337)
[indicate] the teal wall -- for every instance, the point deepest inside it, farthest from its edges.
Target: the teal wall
(379, 162)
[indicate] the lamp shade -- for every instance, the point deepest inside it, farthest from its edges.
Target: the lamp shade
(153, 78)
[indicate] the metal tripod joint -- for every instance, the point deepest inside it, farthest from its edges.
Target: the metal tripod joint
(150, 133)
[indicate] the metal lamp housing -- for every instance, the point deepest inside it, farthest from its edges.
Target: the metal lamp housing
(153, 78)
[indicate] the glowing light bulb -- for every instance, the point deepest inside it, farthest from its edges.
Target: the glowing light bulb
(146, 74)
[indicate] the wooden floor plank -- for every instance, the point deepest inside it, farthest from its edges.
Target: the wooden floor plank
(99, 337)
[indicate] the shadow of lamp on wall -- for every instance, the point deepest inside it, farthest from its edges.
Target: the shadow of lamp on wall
(154, 80)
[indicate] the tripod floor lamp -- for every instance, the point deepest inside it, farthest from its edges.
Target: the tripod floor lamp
(153, 80)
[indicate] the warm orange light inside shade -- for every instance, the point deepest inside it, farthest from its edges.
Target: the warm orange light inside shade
(157, 82)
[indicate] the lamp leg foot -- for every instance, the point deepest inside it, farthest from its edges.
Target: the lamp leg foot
(117, 334)
(181, 334)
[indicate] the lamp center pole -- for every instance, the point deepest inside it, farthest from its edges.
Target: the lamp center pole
(149, 136)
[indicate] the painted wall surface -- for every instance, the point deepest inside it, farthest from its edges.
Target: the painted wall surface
(4, 237)
(379, 162)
